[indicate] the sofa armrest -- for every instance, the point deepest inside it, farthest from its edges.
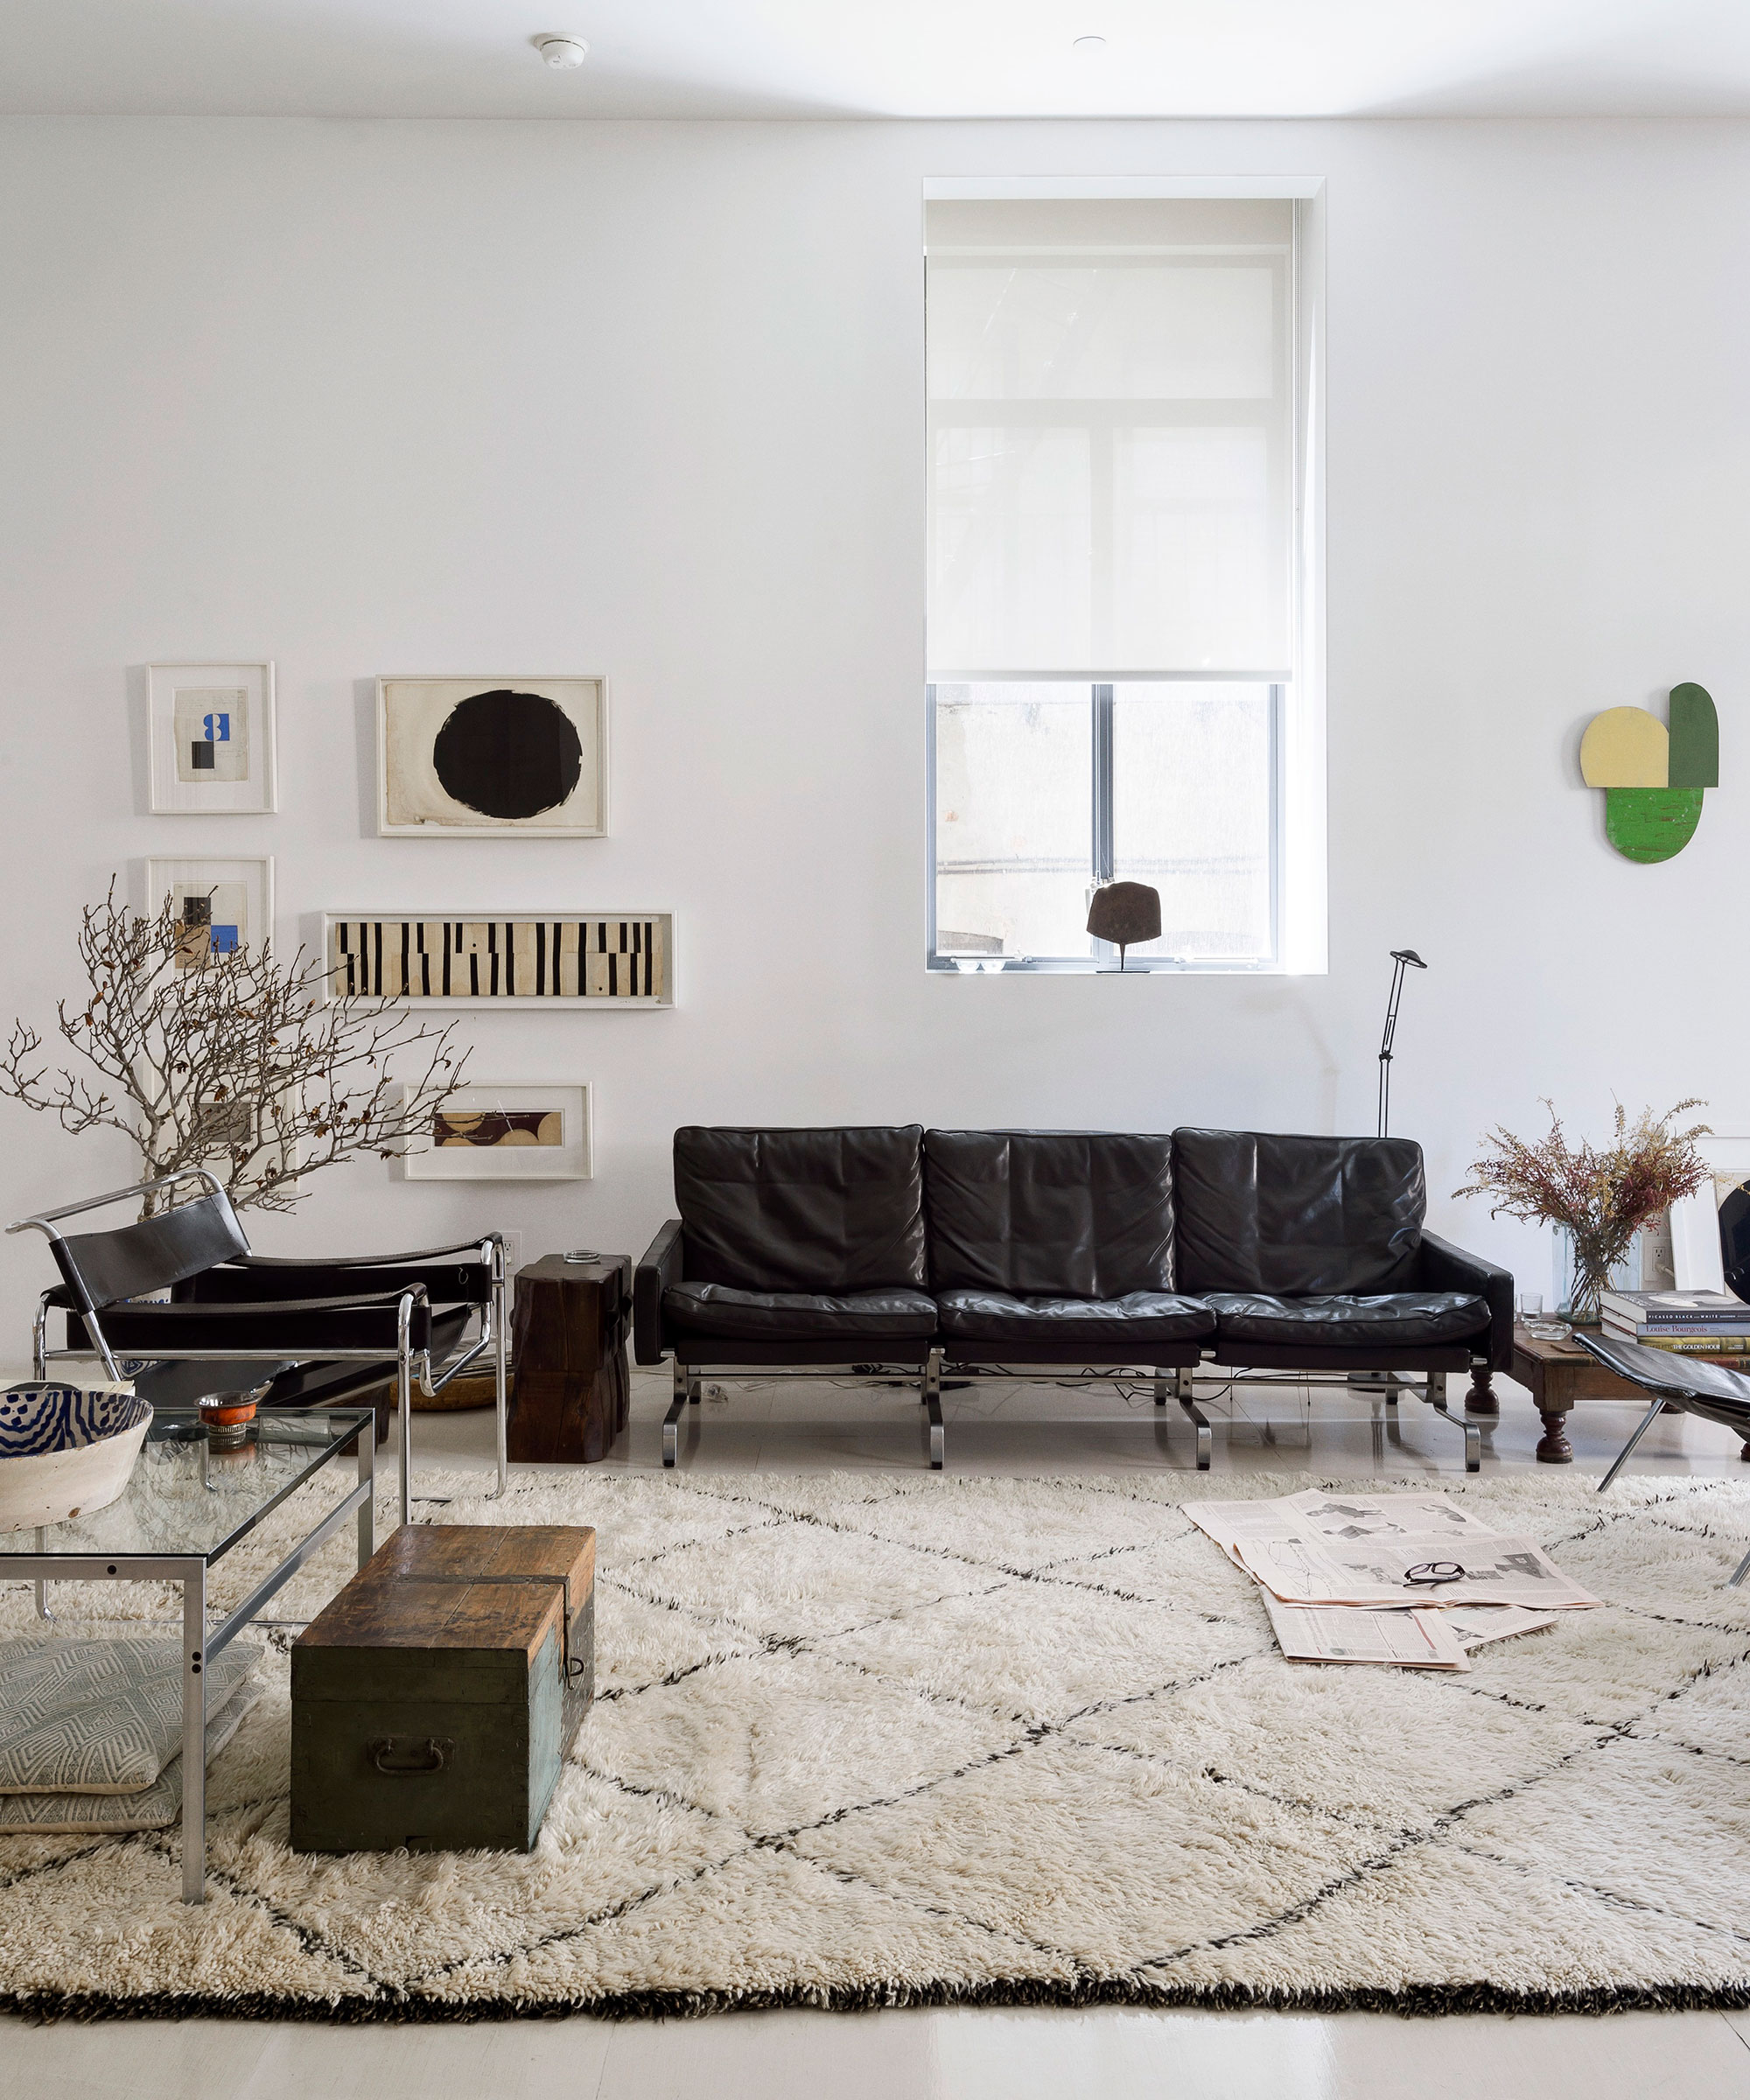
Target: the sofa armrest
(1445, 1267)
(662, 1265)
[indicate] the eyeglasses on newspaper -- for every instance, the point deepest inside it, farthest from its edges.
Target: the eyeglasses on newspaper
(1428, 1574)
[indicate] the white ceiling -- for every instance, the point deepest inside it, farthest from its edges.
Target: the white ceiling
(877, 57)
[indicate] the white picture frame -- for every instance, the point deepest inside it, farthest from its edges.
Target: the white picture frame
(410, 957)
(241, 893)
(509, 740)
(233, 704)
(1696, 1261)
(568, 1157)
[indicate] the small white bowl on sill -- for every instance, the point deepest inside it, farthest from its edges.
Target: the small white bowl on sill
(65, 1450)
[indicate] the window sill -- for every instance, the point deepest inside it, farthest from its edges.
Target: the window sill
(1076, 966)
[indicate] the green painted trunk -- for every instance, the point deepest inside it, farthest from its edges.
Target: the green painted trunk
(432, 1705)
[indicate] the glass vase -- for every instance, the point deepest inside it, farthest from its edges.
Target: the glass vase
(1580, 1278)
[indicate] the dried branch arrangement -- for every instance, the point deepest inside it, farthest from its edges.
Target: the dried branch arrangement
(1603, 1195)
(228, 1061)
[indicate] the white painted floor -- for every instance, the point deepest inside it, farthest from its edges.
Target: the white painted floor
(963, 2055)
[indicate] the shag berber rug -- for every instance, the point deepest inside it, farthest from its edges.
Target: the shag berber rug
(870, 1741)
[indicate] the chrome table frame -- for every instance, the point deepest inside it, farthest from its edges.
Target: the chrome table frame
(200, 1643)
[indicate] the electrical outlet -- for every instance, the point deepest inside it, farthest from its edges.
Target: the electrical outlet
(512, 1252)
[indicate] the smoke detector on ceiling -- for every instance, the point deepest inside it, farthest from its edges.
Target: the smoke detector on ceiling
(562, 53)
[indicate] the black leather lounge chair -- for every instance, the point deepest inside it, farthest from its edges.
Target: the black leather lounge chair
(321, 1330)
(1678, 1383)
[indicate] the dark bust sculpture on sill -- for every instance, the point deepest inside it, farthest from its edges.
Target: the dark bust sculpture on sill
(1124, 913)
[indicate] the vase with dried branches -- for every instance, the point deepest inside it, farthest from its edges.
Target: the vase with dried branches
(1601, 1196)
(228, 1060)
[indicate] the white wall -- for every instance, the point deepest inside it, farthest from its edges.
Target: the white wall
(648, 400)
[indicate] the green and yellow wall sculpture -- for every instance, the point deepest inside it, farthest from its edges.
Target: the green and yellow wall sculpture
(1652, 777)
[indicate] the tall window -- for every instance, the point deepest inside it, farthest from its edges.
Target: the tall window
(1113, 565)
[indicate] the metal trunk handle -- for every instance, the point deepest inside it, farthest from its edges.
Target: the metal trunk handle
(432, 1757)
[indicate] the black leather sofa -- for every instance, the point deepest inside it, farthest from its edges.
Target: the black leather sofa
(981, 1252)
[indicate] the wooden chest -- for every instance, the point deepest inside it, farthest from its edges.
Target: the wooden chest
(433, 1701)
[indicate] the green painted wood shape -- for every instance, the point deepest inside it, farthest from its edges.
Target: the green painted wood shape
(1695, 739)
(1651, 824)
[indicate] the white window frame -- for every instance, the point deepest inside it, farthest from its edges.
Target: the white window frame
(1300, 911)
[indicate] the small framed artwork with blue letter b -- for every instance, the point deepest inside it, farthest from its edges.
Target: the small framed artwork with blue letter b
(212, 739)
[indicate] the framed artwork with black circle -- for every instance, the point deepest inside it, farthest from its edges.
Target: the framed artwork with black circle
(477, 758)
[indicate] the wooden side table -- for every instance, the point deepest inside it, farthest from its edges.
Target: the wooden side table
(572, 1389)
(1559, 1372)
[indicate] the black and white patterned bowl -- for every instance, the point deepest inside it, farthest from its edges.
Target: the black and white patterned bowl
(65, 1450)
(47, 1416)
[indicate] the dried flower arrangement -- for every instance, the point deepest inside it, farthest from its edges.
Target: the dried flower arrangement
(228, 1060)
(1601, 1196)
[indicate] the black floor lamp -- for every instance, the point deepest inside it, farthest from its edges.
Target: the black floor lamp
(1400, 957)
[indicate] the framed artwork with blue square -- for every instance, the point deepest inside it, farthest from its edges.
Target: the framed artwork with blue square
(218, 907)
(212, 727)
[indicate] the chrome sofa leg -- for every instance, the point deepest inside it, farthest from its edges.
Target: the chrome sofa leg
(930, 1391)
(1186, 1394)
(686, 1388)
(1160, 1389)
(1435, 1394)
(1743, 1570)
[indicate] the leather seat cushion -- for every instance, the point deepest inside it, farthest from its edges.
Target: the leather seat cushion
(893, 1315)
(975, 1315)
(1401, 1318)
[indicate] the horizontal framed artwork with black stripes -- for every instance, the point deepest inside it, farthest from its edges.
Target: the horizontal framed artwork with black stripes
(593, 960)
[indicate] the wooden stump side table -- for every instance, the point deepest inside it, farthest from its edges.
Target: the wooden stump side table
(1559, 1372)
(573, 1390)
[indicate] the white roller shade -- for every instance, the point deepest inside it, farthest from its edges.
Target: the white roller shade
(1110, 418)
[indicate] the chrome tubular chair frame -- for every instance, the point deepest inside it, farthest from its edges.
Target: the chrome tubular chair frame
(409, 1362)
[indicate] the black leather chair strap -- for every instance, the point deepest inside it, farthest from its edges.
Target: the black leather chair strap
(296, 1327)
(259, 1283)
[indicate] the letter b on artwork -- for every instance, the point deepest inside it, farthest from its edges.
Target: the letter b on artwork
(212, 734)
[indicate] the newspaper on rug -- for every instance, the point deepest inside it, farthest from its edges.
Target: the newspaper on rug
(1476, 1625)
(1344, 1633)
(1502, 1569)
(1319, 1515)
(1347, 1548)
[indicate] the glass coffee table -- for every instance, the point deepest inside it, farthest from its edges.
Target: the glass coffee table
(185, 1506)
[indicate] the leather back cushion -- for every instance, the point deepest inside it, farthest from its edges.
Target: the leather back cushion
(824, 1210)
(1296, 1216)
(134, 1260)
(1049, 1214)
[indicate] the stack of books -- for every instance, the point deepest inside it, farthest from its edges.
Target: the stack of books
(1693, 1323)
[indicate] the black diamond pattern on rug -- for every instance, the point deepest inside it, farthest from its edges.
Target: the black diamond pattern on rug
(873, 1739)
